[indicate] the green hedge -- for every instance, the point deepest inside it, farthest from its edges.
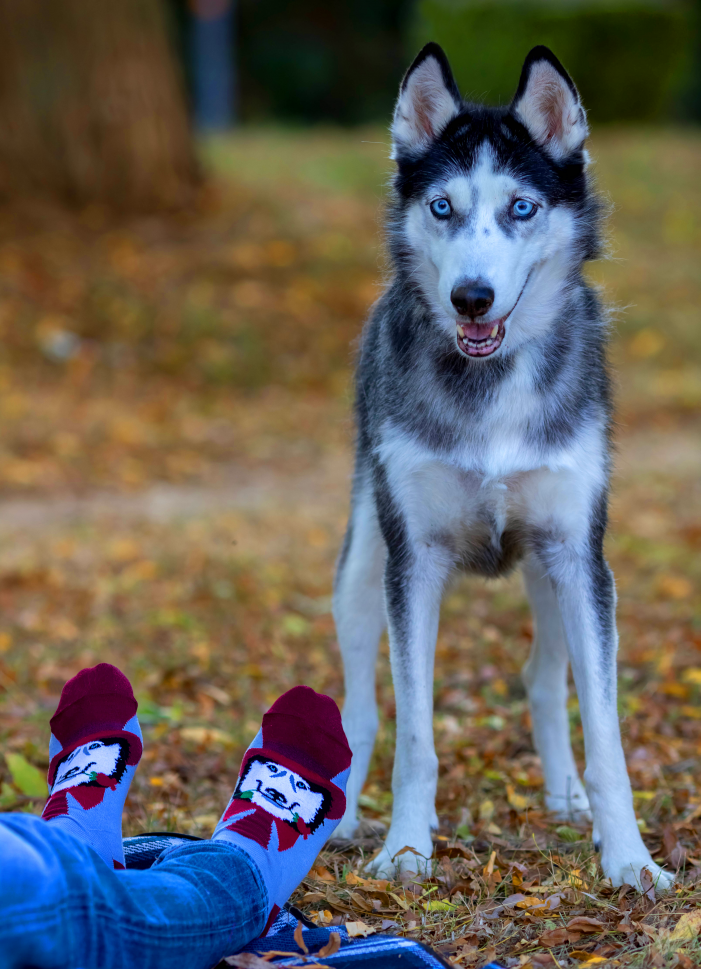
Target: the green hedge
(629, 60)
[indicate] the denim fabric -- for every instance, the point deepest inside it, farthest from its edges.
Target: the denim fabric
(61, 907)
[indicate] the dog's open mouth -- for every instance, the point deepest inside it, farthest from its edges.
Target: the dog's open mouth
(481, 339)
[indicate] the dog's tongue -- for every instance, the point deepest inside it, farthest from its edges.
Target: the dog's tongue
(477, 331)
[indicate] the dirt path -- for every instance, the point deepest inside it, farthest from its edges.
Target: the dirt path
(237, 489)
(320, 492)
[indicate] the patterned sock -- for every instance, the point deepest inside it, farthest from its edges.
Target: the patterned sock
(290, 793)
(94, 749)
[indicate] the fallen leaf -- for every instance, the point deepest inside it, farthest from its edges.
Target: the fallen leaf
(647, 884)
(331, 947)
(247, 960)
(675, 852)
(362, 903)
(339, 904)
(323, 874)
(400, 901)
(687, 928)
(684, 961)
(547, 904)
(553, 937)
(486, 810)
(511, 900)
(582, 923)
(624, 903)
(437, 905)
(322, 917)
(588, 958)
(28, 778)
(517, 801)
(489, 954)
(552, 902)
(405, 849)
(273, 953)
(311, 898)
(298, 937)
(575, 878)
(378, 883)
(454, 850)
(569, 834)
(359, 930)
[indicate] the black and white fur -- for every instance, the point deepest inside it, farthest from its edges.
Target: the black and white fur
(482, 454)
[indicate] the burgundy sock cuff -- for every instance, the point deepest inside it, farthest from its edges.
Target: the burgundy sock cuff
(96, 703)
(99, 699)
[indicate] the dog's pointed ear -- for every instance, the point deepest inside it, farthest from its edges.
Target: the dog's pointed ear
(428, 99)
(548, 104)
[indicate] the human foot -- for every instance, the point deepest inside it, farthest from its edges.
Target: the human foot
(94, 750)
(290, 793)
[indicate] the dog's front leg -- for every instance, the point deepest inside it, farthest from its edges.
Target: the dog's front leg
(414, 580)
(359, 611)
(586, 594)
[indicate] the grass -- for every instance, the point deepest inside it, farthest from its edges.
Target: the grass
(175, 403)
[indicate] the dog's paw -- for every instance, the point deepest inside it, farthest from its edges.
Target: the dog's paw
(407, 848)
(626, 870)
(389, 865)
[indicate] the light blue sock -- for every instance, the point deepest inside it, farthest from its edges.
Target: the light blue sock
(290, 793)
(94, 750)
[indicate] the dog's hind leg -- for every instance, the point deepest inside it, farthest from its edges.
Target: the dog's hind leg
(573, 559)
(359, 612)
(545, 677)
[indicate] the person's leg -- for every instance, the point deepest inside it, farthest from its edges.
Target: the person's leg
(61, 907)
(291, 791)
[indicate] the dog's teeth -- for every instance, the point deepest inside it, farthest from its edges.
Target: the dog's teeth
(461, 332)
(495, 330)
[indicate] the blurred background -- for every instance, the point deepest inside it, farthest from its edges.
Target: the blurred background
(191, 198)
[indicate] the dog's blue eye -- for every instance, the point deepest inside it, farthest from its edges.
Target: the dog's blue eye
(523, 209)
(441, 208)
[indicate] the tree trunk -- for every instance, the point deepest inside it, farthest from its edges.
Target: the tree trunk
(92, 106)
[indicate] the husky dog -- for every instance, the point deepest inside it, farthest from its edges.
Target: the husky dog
(483, 413)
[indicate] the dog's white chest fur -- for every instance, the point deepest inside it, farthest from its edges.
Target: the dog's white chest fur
(492, 482)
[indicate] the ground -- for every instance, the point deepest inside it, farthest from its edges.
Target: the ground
(175, 404)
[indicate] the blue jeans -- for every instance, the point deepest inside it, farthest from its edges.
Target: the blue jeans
(61, 907)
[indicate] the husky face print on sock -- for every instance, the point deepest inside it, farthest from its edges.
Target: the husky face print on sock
(282, 793)
(106, 758)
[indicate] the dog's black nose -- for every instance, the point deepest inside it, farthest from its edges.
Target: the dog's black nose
(472, 299)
